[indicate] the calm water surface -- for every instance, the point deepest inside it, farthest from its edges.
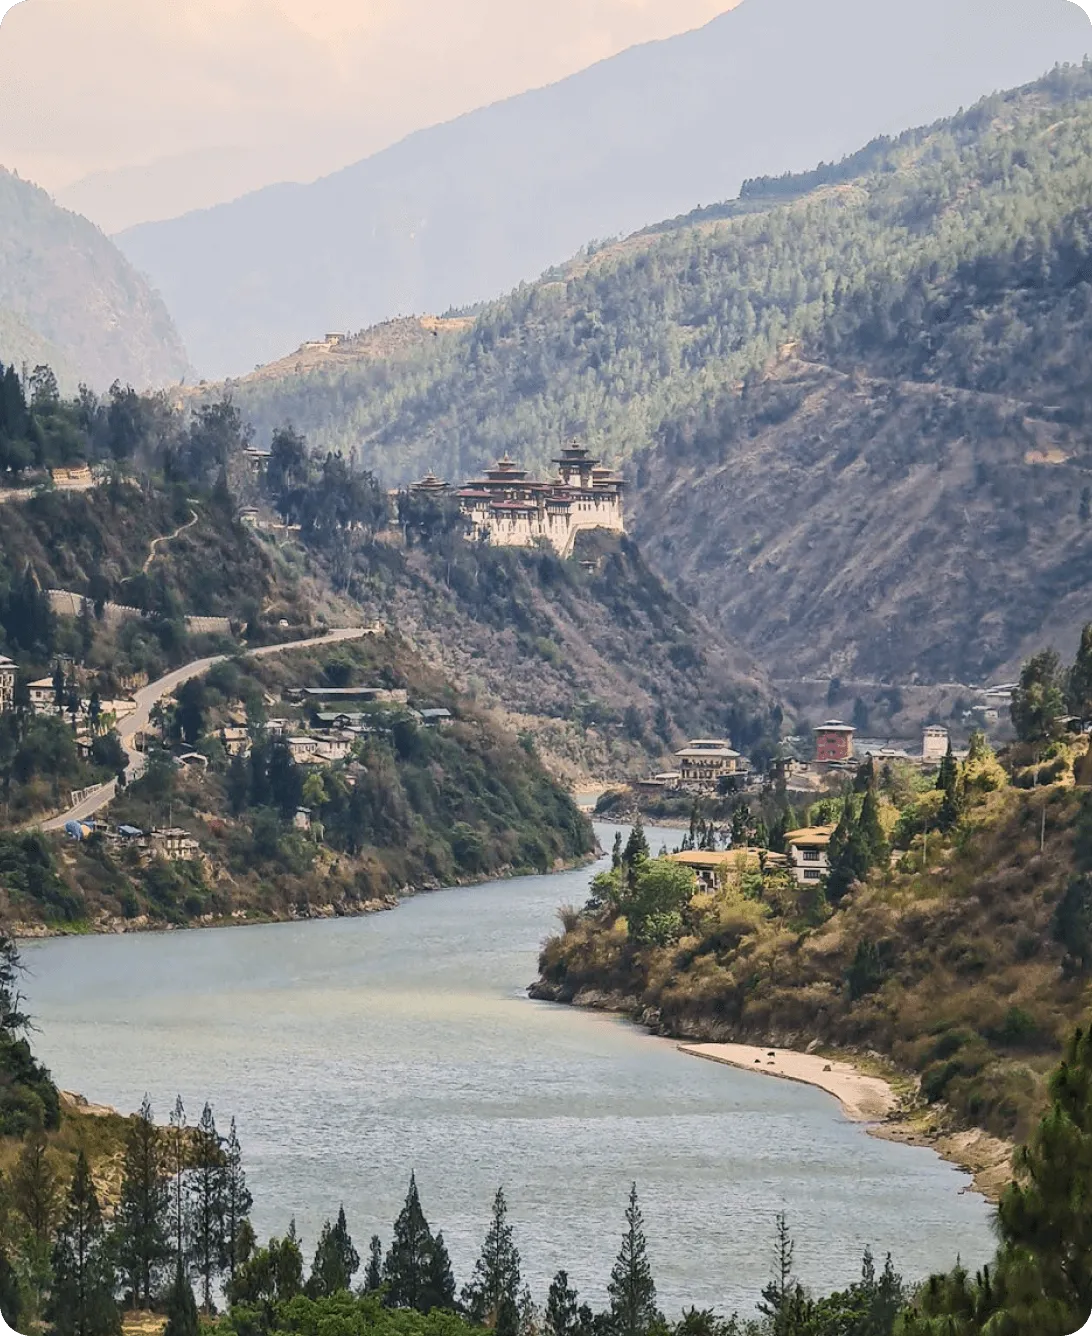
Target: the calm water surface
(352, 1050)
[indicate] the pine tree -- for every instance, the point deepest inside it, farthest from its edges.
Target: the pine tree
(492, 1297)
(441, 1279)
(777, 1295)
(636, 850)
(82, 1300)
(373, 1274)
(632, 1290)
(177, 1161)
(406, 1269)
(35, 1188)
(142, 1216)
(206, 1206)
(238, 1235)
(562, 1307)
(336, 1260)
(181, 1307)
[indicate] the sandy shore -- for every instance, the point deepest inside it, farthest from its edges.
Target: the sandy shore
(865, 1099)
(870, 1099)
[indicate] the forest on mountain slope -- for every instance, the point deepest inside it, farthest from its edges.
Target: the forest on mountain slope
(70, 299)
(929, 273)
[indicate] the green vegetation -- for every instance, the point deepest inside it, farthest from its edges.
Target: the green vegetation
(71, 298)
(407, 806)
(953, 931)
(934, 291)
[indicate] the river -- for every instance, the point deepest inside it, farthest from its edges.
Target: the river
(352, 1050)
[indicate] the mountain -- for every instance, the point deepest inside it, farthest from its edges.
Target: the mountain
(459, 212)
(69, 298)
(854, 400)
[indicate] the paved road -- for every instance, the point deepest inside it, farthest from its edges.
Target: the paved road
(148, 697)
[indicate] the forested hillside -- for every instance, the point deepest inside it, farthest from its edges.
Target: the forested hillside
(921, 280)
(68, 297)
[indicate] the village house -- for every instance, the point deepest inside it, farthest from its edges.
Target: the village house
(41, 695)
(363, 695)
(302, 819)
(334, 746)
(236, 740)
(834, 742)
(77, 479)
(711, 866)
(703, 762)
(508, 508)
(7, 684)
(176, 845)
(807, 853)
(304, 749)
(934, 743)
(435, 718)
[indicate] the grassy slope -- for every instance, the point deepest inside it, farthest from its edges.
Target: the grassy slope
(974, 994)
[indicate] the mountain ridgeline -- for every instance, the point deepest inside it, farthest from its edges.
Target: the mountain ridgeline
(70, 299)
(462, 211)
(843, 395)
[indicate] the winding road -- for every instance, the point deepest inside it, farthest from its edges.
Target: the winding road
(146, 700)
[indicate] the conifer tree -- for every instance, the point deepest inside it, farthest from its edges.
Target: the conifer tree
(336, 1260)
(373, 1273)
(238, 1235)
(871, 832)
(636, 850)
(288, 1265)
(181, 1307)
(492, 1297)
(141, 1226)
(631, 1289)
(35, 1187)
(206, 1206)
(177, 1161)
(406, 1269)
(441, 1279)
(82, 1300)
(562, 1307)
(1080, 677)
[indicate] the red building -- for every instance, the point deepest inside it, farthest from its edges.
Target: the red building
(834, 742)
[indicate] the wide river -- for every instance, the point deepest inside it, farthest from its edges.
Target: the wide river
(351, 1051)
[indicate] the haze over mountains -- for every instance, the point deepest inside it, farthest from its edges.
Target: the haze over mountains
(69, 299)
(460, 212)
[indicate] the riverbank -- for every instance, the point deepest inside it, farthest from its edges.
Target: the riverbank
(870, 1091)
(874, 1100)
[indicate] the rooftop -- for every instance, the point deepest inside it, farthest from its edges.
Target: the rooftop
(818, 835)
(835, 726)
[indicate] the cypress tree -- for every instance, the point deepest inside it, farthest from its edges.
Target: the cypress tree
(406, 1269)
(373, 1273)
(141, 1228)
(206, 1206)
(868, 824)
(181, 1307)
(492, 1297)
(636, 850)
(1080, 677)
(336, 1260)
(238, 1235)
(632, 1290)
(82, 1300)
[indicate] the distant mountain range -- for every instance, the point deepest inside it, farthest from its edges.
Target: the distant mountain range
(69, 298)
(461, 212)
(855, 402)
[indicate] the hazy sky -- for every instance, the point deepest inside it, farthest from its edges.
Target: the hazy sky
(167, 106)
